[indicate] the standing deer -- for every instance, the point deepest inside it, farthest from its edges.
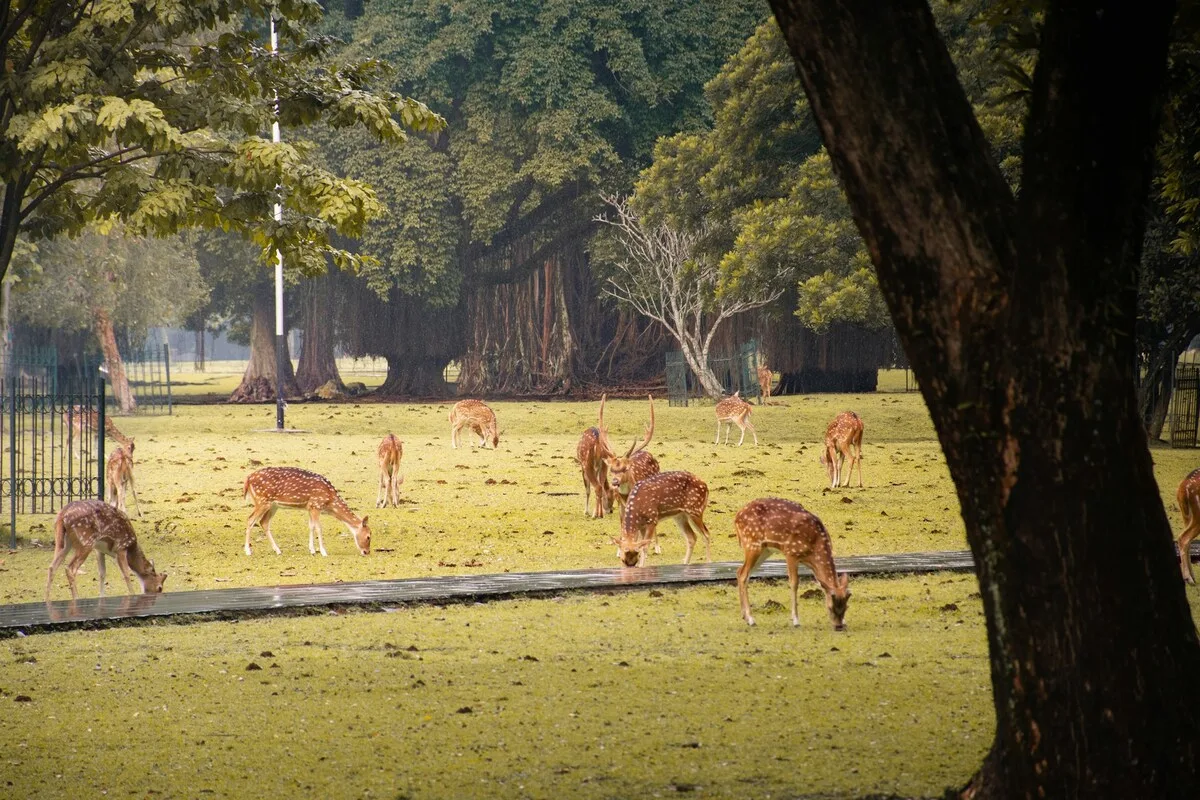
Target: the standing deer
(843, 441)
(85, 525)
(770, 524)
(764, 382)
(635, 466)
(79, 421)
(273, 487)
(734, 411)
(1188, 496)
(391, 450)
(680, 496)
(478, 417)
(590, 454)
(118, 476)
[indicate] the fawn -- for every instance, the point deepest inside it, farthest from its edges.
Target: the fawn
(635, 466)
(118, 477)
(87, 525)
(734, 411)
(272, 487)
(391, 450)
(1188, 496)
(668, 495)
(476, 415)
(770, 524)
(764, 382)
(843, 442)
(80, 421)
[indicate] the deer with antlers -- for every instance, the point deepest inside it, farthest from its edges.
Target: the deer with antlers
(843, 442)
(635, 466)
(764, 382)
(732, 411)
(680, 496)
(87, 525)
(769, 524)
(390, 451)
(271, 488)
(118, 477)
(80, 421)
(476, 415)
(590, 454)
(1188, 496)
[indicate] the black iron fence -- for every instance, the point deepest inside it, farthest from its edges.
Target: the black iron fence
(148, 370)
(1184, 418)
(52, 445)
(737, 372)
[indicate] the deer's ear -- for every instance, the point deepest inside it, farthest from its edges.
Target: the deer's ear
(843, 580)
(364, 522)
(616, 541)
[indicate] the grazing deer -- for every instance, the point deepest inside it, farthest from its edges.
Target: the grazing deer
(1188, 496)
(118, 476)
(85, 525)
(734, 411)
(633, 467)
(391, 450)
(843, 441)
(680, 496)
(272, 487)
(769, 524)
(590, 454)
(474, 414)
(764, 382)
(79, 421)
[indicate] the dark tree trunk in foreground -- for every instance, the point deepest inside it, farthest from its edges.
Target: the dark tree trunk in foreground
(112, 359)
(258, 382)
(318, 365)
(1018, 317)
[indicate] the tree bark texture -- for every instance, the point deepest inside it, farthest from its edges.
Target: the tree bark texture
(318, 364)
(112, 359)
(258, 382)
(1018, 318)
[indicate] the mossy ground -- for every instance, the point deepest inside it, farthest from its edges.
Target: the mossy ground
(627, 694)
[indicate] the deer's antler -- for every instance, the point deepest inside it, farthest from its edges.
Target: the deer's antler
(637, 447)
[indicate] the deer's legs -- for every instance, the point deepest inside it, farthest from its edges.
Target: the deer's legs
(122, 562)
(314, 524)
(794, 585)
(689, 537)
(755, 555)
(100, 571)
(382, 487)
(753, 432)
(587, 496)
(59, 557)
(133, 491)
(718, 439)
(699, 527)
(1185, 557)
(73, 566)
(257, 516)
(649, 536)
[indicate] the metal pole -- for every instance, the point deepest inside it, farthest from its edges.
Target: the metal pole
(167, 362)
(280, 358)
(12, 458)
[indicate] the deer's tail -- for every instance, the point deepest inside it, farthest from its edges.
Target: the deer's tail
(246, 493)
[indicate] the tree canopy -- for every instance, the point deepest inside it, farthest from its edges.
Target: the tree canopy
(157, 114)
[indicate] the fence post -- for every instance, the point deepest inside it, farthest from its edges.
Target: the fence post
(12, 457)
(167, 362)
(101, 410)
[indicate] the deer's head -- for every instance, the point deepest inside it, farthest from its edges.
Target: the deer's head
(836, 600)
(362, 537)
(153, 583)
(620, 467)
(629, 550)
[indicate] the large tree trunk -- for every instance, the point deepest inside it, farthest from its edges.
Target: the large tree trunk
(258, 382)
(1018, 318)
(415, 376)
(112, 360)
(318, 365)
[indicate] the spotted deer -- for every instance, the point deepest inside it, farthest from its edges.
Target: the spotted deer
(635, 466)
(390, 451)
(80, 422)
(769, 524)
(680, 496)
(590, 455)
(1188, 496)
(843, 442)
(474, 414)
(734, 411)
(118, 478)
(764, 382)
(271, 488)
(87, 525)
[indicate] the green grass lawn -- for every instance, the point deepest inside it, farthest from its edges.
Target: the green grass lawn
(620, 695)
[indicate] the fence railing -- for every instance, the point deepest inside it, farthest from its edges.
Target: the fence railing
(148, 370)
(736, 373)
(52, 445)
(1184, 419)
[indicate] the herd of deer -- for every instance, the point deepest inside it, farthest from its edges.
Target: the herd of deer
(634, 482)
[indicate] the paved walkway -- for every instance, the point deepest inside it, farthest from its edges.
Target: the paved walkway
(87, 611)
